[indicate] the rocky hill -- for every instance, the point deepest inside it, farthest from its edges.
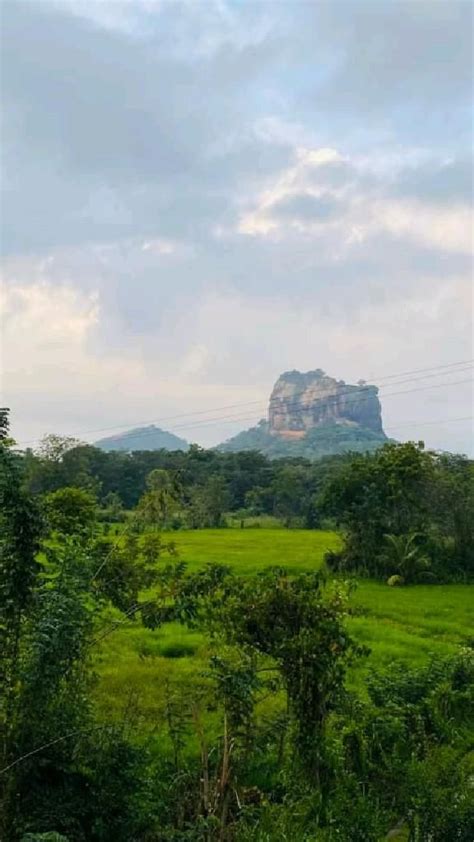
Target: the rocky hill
(143, 438)
(301, 401)
(311, 414)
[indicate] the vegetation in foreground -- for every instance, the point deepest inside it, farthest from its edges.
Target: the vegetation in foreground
(272, 741)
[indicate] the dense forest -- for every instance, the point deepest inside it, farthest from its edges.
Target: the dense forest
(273, 742)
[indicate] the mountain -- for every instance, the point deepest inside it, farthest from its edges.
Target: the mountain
(143, 438)
(311, 414)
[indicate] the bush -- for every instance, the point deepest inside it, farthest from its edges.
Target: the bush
(177, 650)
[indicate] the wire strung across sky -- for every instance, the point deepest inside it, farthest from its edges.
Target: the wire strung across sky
(233, 418)
(349, 390)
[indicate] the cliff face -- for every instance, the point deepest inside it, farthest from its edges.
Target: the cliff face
(303, 401)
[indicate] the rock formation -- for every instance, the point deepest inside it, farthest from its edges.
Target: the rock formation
(313, 415)
(302, 401)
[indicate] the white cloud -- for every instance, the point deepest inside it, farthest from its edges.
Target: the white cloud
(297, 178)
(54, 377)
(364, 212)
(47, 316)
(444, 228)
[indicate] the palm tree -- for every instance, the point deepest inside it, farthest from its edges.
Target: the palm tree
(406, 556)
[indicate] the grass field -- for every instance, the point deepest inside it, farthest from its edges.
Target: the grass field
(248, 551)
(406, 624)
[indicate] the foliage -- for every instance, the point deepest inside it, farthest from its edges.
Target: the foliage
(205, 484)
(324, 440)
(156, 505)
(53, 447)
(298, 630)
(404, 491)
(20, 528)
(405, 556)
(124, 569)
(71, 511)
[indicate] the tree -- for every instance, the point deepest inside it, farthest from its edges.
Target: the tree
(452, 502)
(387, 492)
(290, 489)
(297, 628)
(216, 499)
(208, 503)
(71, 510)
(20, 530)
(54, 447)
(113, 507)
(157, 504)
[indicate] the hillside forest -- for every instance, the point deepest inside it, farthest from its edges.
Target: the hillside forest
(279, 724)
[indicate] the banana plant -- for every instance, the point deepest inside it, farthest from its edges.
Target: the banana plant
(407, 557)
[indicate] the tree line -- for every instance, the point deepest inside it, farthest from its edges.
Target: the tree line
(406, 513)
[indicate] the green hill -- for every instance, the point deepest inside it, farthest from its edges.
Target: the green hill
(143, 438)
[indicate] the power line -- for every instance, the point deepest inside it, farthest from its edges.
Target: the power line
(232, 419)
(226, 419)
(257, 402)
(431, 423)
(355, 391)
(332, 398)
(418, 370)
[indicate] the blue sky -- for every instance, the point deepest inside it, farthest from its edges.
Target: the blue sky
(198, 196)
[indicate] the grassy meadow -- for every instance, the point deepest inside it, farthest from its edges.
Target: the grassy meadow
(406, 624)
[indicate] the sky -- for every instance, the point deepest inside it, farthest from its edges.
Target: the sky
(197, 196)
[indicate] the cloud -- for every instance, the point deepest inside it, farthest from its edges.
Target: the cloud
(305, 206)
(112, 130)
(440, 182)
(110, 137)
(396, 52)
(356, 207)
(197, 196)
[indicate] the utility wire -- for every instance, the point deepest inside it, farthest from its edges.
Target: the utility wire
(226, 419)
(358, 400)
(295, 403)
(258, 402)
(355, 392)
(418, 370)
(431, 423)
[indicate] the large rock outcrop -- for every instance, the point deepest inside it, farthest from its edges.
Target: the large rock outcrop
(302, 401)
(313, 415)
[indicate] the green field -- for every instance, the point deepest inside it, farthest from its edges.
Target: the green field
(248, 551)
(407, 624)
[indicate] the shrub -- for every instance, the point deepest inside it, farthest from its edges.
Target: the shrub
(177, 650)
(395, 581)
